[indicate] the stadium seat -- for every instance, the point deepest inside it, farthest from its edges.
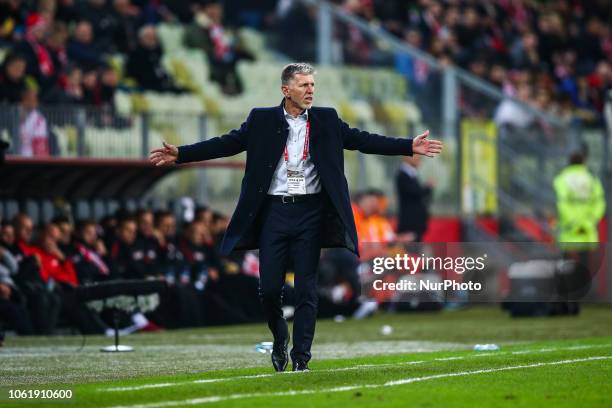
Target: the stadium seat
(47, 211)
(10, 209)
(32, 208)
(82, 210)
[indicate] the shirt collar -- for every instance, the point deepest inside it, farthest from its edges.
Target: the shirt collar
(302, 116)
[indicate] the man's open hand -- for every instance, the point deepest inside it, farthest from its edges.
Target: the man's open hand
(165, 155)
(427, 147)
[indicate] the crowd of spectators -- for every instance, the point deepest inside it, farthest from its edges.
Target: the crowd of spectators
(68, 46)
(553, 55)
(62, 49)
(41, 266)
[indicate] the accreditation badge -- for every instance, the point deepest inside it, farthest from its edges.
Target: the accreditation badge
(296, 182)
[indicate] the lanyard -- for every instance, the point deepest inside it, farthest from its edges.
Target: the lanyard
(306, 144)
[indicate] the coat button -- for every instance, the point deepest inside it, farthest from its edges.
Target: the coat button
(260, 189)
(270, 165)
(250, 214)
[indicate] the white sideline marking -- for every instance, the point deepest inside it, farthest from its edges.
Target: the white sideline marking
(356, 367)
(410, 380)
(247, 377)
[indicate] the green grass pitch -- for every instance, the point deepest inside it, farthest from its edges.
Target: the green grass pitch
(427, 361)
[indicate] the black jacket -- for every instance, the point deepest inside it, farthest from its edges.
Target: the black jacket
(263, 136)
(145, 66)
(413, 204)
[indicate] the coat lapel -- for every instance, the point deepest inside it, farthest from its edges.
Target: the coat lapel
(315, 125)
(281, 131)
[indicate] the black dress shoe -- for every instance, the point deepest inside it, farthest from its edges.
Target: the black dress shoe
(299, 365)
(280, 358)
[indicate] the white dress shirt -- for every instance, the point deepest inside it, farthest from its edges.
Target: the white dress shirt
(295, 151)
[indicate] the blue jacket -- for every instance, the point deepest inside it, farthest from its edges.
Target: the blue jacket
(263, 136)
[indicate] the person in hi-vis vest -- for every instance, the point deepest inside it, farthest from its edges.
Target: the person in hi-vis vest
(580, 204)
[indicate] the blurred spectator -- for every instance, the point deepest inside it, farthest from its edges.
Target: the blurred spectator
(208, 34)
(182, 306)
(107, 231)
(413, 201)
(203, 260)
(144, 64)
(296, 23)
(170, 258)
(66, 229)
(59, 273)
(82, 49)
(514, 114)
(126, 257)
(55, 265)
(46, 8)
(339, 285)
(127, 261)
(12, 79)
(256, 14)
(12, 302)
(155, 11)
(180, 10)
(147, 242)
(524, 53)
(472, 102)
(415, 70)
(43, 303)
(470, 33)
(218, 226)
(102, 23)
(126, 32)
(39, 63)
(99, 87)
(56, 44)
(90, 255)
(358, 47)
(205, 276)
(34, 134)
(91, 88)
(600, 83)
(108, 82)
(373, 228)
(73, 92)
(66, 12)
(205, 215)
(12, 18)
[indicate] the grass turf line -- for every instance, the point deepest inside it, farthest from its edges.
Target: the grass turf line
(534, 386)
(547, 385)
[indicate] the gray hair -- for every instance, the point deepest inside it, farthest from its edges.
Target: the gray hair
(290, 70)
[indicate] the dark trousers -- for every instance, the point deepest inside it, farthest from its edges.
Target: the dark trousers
(290, 239)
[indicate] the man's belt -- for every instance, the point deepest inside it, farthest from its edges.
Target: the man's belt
(291, 199)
